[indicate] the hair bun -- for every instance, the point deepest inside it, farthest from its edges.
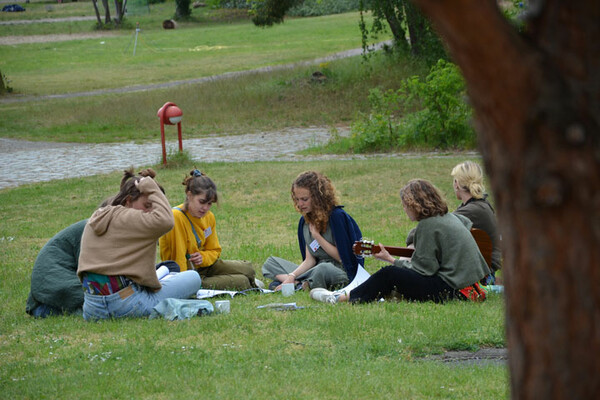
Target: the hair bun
(148, 172)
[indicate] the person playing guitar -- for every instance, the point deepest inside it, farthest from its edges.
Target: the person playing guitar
(446, 262)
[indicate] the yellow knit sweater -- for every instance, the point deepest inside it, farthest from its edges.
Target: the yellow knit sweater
(181, 240)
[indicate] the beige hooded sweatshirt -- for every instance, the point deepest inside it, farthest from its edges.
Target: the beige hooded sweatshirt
(118, 240)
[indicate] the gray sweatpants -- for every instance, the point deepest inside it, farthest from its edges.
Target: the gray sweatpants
(323, 275)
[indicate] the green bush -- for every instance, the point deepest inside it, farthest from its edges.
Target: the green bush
(314, 8)
(440, 120)
(377, 131)
(228, 3)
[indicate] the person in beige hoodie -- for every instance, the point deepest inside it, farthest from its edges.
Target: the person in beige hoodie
(118, 253)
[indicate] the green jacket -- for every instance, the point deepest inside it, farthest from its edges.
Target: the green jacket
(445, 247)
(54, 280)
(481, 213)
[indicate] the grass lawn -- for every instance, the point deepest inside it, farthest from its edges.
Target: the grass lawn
(321, 351)
(318, 352)
(192, 51)
(199, 48)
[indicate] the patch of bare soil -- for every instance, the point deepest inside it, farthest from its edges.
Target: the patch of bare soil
(482, 356)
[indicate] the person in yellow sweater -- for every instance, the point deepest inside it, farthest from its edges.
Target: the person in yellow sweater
(193, 242)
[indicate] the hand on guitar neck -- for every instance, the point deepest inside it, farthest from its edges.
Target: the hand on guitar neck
(367, 248)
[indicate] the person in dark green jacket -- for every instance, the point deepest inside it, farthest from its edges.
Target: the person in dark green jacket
(469, 189)
(55, 287)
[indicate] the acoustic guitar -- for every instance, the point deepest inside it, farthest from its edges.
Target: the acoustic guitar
(367, 248)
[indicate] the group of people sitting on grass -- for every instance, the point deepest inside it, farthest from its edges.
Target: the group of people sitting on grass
(104, 267)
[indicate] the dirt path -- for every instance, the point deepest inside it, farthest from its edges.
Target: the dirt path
(46, 20)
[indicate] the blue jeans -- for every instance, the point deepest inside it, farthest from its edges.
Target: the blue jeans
(135, 301)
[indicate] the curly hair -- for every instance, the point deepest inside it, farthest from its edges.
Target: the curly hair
(128, 190)
(469, 177)
(322, 195)
(424, 199)
(198, 182)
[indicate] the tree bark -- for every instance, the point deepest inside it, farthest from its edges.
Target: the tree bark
(537, 102)
(118, 11)
(95, 3)
(106, 11)
(2, 85)
(417, 29)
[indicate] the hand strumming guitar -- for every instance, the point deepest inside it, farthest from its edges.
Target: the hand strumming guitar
(383, 255)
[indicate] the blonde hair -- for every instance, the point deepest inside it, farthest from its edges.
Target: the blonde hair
(469, 176)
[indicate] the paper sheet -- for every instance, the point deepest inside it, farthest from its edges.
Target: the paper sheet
(207, 293)
(361, 276)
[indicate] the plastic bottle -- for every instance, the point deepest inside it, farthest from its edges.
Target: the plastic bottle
(190, 264)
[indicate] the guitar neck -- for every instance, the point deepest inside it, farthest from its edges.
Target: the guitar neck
(399, 251)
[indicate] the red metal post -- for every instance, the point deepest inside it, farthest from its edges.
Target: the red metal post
(179, 135)
(162, 139)
(165, 113)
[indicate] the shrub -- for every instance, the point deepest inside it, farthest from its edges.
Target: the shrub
(441, 116)
(313, 8)
(379, 130)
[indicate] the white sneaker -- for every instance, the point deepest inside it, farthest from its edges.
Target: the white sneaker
(323, 295)
(259, 283)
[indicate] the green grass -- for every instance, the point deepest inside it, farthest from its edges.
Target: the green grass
(321, 351)
(192, 51)
(250, 103)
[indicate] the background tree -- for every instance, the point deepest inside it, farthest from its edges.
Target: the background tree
(3, 89)
(269, 12)
(182, 9)
(411, 31)
(536, 95)
(120, 7)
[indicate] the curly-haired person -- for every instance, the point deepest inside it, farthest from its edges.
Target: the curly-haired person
(326, 234)
(446, 263)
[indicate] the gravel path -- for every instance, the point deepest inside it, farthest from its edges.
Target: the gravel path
(23, 162)
(46, 20)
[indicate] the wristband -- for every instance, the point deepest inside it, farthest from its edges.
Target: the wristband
(292, 274)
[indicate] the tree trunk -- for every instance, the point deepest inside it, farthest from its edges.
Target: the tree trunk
(118, 11)
(95, 3)
(106, 11)
(2, 85)
(416, 28)
(394, 18)
(537, 101)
